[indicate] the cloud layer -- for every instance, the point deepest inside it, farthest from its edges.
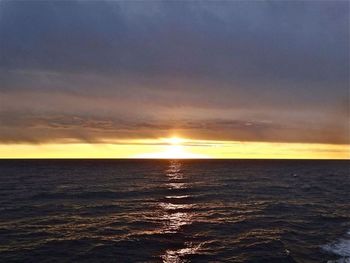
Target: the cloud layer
(255, 71)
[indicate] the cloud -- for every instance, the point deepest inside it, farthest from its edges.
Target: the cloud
(87, 70)
(295, 41)
(31, 128)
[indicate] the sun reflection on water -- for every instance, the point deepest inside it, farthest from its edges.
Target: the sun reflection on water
(176, 215)
(174, 170)
(174, 256)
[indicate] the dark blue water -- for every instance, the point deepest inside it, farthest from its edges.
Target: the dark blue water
(174, 211)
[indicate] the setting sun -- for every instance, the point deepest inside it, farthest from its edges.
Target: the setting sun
(175, 140)
(174, 148)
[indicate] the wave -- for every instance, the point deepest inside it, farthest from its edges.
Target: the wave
(341, 248)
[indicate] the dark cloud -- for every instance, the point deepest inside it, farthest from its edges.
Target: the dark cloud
(94, 69)
(266, 40)
(24, 127)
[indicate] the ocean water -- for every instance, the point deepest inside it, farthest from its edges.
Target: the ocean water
(174, 211)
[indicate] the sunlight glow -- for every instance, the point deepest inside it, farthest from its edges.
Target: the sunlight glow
(175, 140)
(176, 148)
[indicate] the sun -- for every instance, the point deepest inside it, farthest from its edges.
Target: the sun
(174, 148)
(175, 140)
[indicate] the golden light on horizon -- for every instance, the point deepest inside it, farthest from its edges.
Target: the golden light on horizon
(177, 148)
(175, 140)
(174, 149)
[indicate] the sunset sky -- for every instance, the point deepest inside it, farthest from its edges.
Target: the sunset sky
(176, 79)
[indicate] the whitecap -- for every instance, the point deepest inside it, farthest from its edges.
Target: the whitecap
(341, 248)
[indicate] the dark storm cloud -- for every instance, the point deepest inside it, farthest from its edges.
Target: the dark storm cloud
(161, 63)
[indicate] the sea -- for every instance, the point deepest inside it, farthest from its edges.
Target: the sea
(175, 211)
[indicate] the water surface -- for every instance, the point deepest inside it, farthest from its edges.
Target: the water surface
(174, 211)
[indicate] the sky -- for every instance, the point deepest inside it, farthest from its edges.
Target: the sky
(234, 78)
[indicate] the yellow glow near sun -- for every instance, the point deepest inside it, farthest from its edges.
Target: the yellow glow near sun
(171, 152)
(176, 148)
(175, 140)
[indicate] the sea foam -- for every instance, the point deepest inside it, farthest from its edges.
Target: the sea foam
(341, 248)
